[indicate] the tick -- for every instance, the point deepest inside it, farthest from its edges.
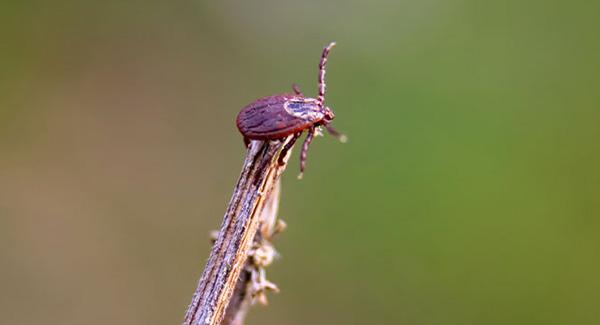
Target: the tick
(279, 116)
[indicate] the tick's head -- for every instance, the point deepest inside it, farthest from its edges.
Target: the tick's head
(326, 122)
(328, 114)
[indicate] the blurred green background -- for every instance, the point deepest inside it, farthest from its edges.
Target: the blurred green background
(467, 194)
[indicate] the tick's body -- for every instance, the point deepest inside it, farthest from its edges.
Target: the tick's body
(279, 116)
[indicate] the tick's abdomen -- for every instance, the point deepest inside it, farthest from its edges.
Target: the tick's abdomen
(278, 116)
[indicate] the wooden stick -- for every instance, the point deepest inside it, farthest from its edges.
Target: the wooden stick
(224, 271)
(245, 293)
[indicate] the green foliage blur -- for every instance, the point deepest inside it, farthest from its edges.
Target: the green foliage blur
(468, 192)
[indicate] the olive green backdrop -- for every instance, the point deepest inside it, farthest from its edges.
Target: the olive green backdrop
(467, 194)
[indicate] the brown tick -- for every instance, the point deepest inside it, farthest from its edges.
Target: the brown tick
(279, 116)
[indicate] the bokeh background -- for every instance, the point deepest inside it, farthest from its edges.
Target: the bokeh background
(467, 194)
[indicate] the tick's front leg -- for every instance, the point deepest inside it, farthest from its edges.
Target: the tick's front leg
(342, 137)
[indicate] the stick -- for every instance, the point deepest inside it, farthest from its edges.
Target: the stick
(250, 289)
(225, 269)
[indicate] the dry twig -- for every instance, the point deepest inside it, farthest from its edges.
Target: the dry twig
(230, 277)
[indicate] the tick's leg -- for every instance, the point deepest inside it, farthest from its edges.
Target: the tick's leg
(246, 142)
(342, 137)
(297, 89)
(287, 148)
(309, 137)
(322, 64)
